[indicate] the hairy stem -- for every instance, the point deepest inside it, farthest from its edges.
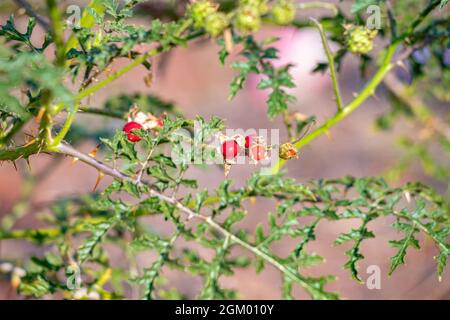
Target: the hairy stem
(330, 57)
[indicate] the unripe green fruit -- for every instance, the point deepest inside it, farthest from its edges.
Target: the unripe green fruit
(199, 11)
(260, 5)
(216, 24)
(283, 12)
(360, 39)
(248, 19)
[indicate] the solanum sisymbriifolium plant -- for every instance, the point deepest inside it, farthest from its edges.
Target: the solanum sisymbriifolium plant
(45, 86)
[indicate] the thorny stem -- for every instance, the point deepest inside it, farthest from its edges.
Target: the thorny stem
(339, 116)
(70, 151)
(342, 113)
(369, 90)
(91, 90)
(330, 57)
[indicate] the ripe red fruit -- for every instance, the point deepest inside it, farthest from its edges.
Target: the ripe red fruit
(160, 122)
(258, 152)
(129, 127)
(230, 149)
(133, 137)
(249, 141)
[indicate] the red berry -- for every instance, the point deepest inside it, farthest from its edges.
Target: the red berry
(129, 127)
(133, 137)
(258, 152)
(249, 141)
(230, 149)
(160, 122)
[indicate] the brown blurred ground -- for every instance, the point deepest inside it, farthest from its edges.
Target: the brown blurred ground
(195, 81)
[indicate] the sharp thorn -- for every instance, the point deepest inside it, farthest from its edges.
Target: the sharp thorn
(93, 152)
(74, 160)
(28, 163)
(40, 115)
(99, 178)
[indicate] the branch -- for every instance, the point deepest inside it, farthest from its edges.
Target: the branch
(57, 30)
(318, 5)
(342, 114)
(291, 274)
(417, 106)
(30, 11)
(330, 57)
(140, 59)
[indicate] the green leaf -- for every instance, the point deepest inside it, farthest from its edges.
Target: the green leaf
(402, 245)
(356, 235)
(363, 4)
(98, 231)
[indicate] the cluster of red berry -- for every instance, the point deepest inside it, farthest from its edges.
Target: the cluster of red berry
(254, 148)
(130, 126)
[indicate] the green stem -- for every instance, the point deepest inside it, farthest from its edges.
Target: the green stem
(369, 90)
(431, 6)
(318, 5)
(91, 90)
(330, 57)
(87, 21)
(102, 112)
(66, 127)
(19, 152)
(57, 31)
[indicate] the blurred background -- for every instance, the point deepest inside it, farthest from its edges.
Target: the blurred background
(193, 79)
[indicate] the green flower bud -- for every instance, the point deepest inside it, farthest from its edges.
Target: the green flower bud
(200, 10)
(216, 24)
(283, 12)
(248, 19)
(359, 39)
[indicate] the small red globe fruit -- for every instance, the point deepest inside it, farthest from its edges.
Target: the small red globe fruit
(230, 149)
(129, 127)
(133, 137)
(160, 122)
(249, 141)
(258, 152)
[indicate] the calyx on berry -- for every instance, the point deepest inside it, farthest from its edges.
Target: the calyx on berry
(147, 120)
(283, 12)
(129, 127)
(288, 151)
(258, 152)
